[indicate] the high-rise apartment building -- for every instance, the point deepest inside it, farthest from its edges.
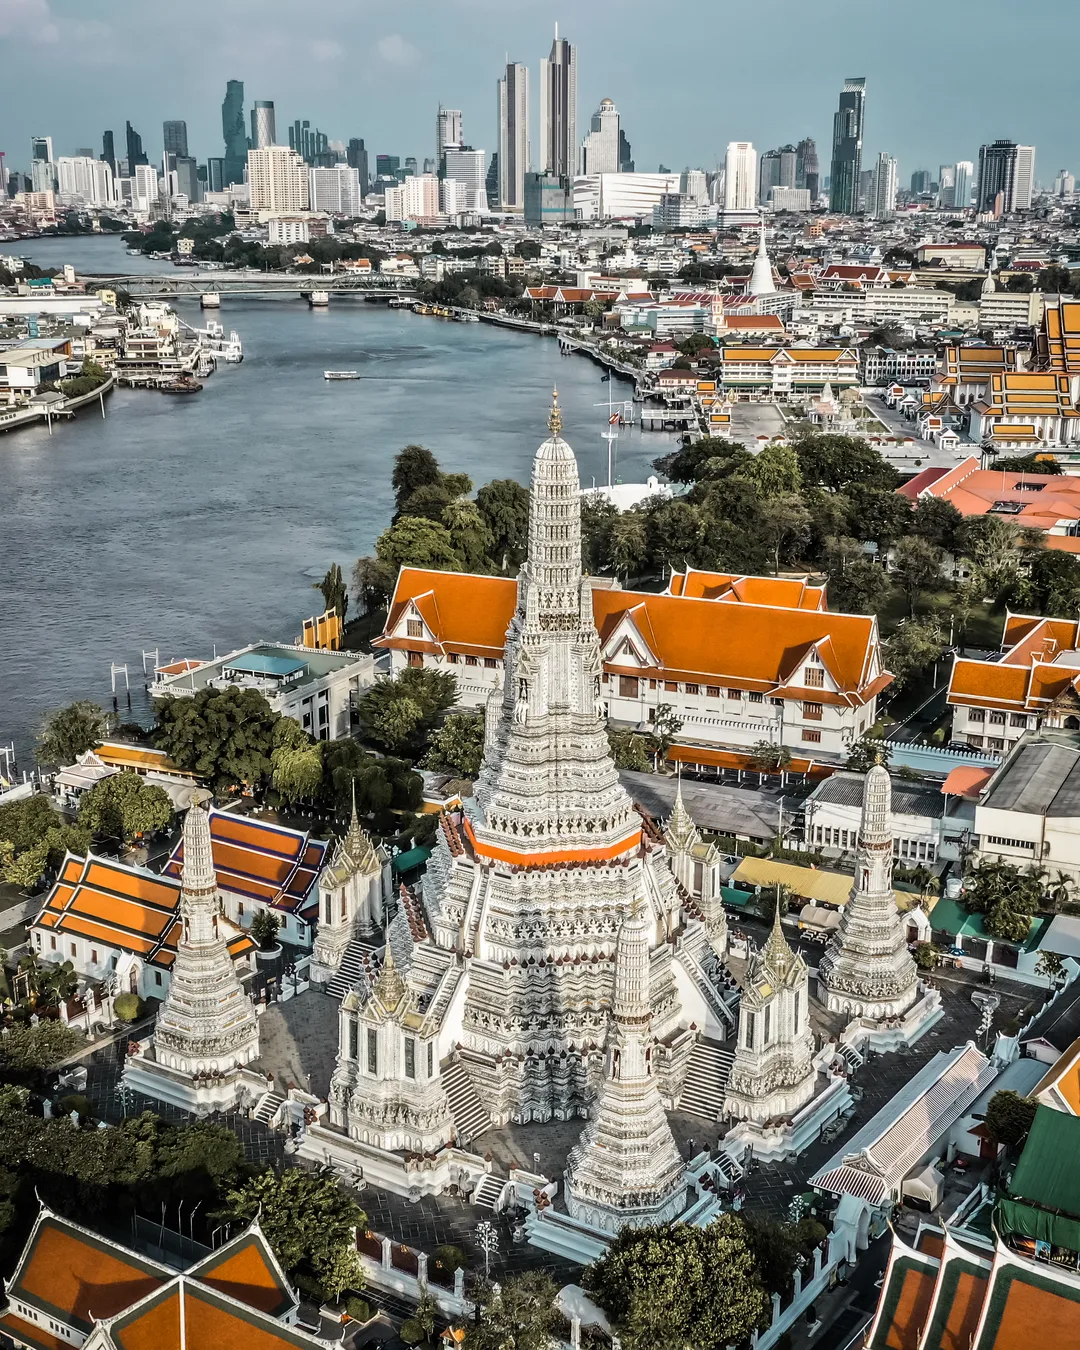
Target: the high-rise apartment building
(882, 203)
(278, 179)
(174, 138)
(946, 189)
(187, 177)
(215, 174)
(135, 153)
(145, 188)
(558, 109)
(448, 131)
(807, 167)
(740, 177)
(965, 174)
(335, 190)
(84, 180)
(848, 126)
(108, 150)
(600, 150)
(1006, 180)
(234, 131)
(466, 166)
(356, 157)
(416, 199)
(513, 111)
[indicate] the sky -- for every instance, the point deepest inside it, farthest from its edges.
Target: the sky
(942, 75)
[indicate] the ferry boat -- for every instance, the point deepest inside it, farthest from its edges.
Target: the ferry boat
(401, 302)
(318, 298)
(183, 385)
(341, 374)
(210, 300)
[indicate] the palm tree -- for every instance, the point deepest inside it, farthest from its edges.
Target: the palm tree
(1060, 893)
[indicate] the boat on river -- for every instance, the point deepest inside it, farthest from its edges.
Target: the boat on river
(341, 374)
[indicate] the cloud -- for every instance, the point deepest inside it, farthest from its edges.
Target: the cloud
(28, 19)
(395, 51)
(326, 49)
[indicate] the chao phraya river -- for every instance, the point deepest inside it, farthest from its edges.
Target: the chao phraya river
(179, 524)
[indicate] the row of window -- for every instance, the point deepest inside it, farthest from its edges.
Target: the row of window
(767, 1026)
(95, 956)
(371, 1046)
(1024, 845)
(997, 719)
(986, 743)
(834, 837)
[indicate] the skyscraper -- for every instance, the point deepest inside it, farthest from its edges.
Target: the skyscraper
(174, 137)
(1006, 179)
(513, 107)
(558, 108)
(278, 180)
(920, 182)
(740, 177)
(135, 153)
(600, 150)
(448, 131)
(41, 148)
(234, 132)
(883, 203)
(356, 157)
(108, 150)
(946, 177)
(965, 172)
(768, 174)
(848, 126)
(807, 168)
(263, 126)
(626, 154)
(387, 166)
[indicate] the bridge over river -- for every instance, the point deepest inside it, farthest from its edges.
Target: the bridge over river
(183, 282)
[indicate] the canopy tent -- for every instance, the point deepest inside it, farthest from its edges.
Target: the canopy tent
(1043, 1199)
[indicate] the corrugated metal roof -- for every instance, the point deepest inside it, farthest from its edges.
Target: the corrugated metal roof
(712, 806)
(1041, 778)
(908, 799)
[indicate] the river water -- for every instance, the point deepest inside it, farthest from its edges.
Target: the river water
(182, 524)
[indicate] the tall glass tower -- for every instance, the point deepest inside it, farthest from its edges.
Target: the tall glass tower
(848, 125)
(234, 131)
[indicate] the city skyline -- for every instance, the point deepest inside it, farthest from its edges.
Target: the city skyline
(438, 48)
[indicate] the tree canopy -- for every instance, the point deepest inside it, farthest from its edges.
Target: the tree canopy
(458, 745)
(399, 713)
(1009, 1117)
(224, 736)
(70, 732)
(124, 806)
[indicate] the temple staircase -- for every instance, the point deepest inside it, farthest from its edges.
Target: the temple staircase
(854, 1059)
(706, 1079)
(470, 1117)
(356, 968)
(486, 1195)
(267, 1108)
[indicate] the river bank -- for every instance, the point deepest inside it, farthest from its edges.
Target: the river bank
(178, 525)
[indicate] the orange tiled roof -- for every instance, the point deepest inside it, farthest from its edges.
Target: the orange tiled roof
(262, 861)
(1027, 676)
(119, 755)
(210, 1320)
(738, 644)
(1022, 1312)
(1044, 499)
(245, 1269)
(1061, 1082)
(68, 1271)
(29, 1333)
(780, 592)
(915, 1291)
(1057, 345)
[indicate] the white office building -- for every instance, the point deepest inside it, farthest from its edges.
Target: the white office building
(789, 199)
(621, 196)
(468, 168)
(448, 132)
(600, 151)
(145, 188)
(85, 181)
(513, 117)
(965, 177)
(1024, 178)
(740, 177)
(415, 199)
(43, 175)
(278, 180)
(335, 191)
(883, 194)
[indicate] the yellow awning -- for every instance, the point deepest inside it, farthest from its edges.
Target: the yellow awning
(811, 883)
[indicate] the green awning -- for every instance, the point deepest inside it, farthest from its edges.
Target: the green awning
(731, 896)
(410, 859)
(1043, 1200)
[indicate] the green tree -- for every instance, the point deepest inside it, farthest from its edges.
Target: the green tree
(124, 806)
(504, 507)
(867, 752)
(917, 567)
(990, 543)
(398, 713)
(34, 839)
(309, 1219)
(879, 516)
(769, 758)
(70, 732)
(659, 1286)
(224, 736)
(775, 472)
(416, 541)
(629, 749)
(785, 527)
(927, 956)
(1009, 1117)
(856, 584)
(914, 647)
(385, 787)
(264, 928)
(521, 1313)
(663, 729)
(297, 771)
(26, 1049)
(938, 522)
(836, 462)
(1051, 967)
(458, 745)
(469, 534)
(414, 467)
(333, 591)
(373, 581)
(598, 516)
(628, 544)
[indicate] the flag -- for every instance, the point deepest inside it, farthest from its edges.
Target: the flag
(605, 377)
(615, 417)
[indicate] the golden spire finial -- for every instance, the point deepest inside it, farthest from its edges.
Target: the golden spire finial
(555, 416)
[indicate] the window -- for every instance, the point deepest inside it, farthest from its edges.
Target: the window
(712, 691)
(995, 743)
(815, 677)
(671, 686)
(410, 1057)
(324, 715)
(414, 628)
(767, 1031)
(796, 1008)
(976, 715)
(1025, 844)
(693, 689)
(372, 1051)
(777, 702)
(453, 658)
(653, 684)
(1017, 720)
(430, 1059)
(755, 697)
(93, 956)
(812, 712)
(811, 735)
(157, 977)
(471, 661)
(735, 694)
(354, 1032)
(750, 1020)
(74, 949)
(628, 686)
(490, 663)
(414, 659)
(997, 719)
